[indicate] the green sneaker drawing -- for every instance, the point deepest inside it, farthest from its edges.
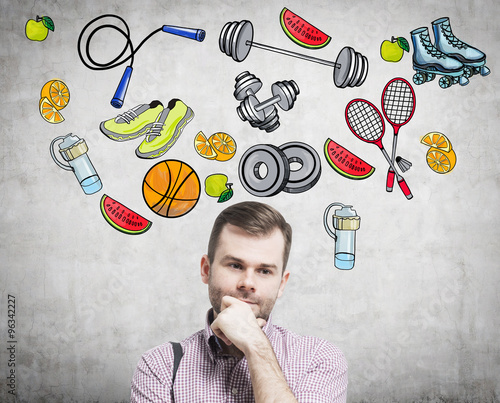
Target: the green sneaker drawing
(133, 123)
(165, 130)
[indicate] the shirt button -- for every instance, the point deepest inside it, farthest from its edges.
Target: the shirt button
(235, 391)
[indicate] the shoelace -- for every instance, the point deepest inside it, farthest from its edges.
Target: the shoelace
(452, 39)
(429, 47)
(128, 116)
(154, 131)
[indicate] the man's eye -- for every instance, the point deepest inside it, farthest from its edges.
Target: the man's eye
(266, 271)
(235, 266)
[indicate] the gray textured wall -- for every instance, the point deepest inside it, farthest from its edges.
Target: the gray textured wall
(417, 317)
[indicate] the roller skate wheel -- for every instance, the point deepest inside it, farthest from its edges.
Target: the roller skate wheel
(468, 72)
(430, 76)
(418, 78)
(445, 82)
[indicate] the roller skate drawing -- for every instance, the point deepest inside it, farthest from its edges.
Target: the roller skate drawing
(473, 59)
(428, 61)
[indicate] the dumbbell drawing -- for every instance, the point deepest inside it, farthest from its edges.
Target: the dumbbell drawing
(349, 70)
(263, 115)
(265, 170)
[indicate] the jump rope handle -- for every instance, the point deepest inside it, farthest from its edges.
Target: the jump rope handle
(121, 90)
(190, 33)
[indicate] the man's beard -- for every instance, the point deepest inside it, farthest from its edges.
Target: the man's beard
(216, 294)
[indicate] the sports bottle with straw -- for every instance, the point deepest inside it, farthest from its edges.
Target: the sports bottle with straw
(345, 223)
(74, 151)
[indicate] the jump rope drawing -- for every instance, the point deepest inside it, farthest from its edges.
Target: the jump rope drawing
(88, 61)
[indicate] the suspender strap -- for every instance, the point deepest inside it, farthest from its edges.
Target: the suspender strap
(177, 359)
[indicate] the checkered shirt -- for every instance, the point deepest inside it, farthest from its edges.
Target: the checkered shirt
(315, 370)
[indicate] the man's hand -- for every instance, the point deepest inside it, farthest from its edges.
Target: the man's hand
(236, 324)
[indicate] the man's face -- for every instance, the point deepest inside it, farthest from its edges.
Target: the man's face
(246, 267)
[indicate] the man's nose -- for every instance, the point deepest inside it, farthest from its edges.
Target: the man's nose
(247, 280)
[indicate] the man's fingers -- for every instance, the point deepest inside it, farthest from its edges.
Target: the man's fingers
(227, 301)
(220, 334)
(261, 322)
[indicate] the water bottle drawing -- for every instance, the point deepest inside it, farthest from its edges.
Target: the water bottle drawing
(74, 151)
(346, 223)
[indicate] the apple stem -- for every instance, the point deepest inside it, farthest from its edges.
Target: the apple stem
(394, 39)
(38, 19)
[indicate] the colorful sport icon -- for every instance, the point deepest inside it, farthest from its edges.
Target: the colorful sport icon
(171, 188)
(236, 39)
(441, 157)
(366, 123)
(160, 126)
(73, 150)
(301, 32)
(38, 29)
(216, 185)
(219, 146)
(345, 222)
(345, 162)
(394, 49)
(398, 106)
(263, 115)
(448, 56)
(122, 218)
(54, 97)
(265, 170)
(113, 22)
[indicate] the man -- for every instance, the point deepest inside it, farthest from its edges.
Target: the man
(241, 356)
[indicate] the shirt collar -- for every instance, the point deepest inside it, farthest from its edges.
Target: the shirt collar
(213, 342)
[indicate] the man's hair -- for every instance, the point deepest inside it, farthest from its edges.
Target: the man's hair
(257, 219)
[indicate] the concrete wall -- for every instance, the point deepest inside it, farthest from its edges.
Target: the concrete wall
(417, 317)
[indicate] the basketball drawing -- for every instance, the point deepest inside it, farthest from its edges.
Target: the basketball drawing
(171, 188)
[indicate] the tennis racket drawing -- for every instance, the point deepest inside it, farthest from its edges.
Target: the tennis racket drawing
(367, 123)
(398, 105)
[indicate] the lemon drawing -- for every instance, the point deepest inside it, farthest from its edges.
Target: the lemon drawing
(440, 157)
(54, 97)
(219, 146)
(56, 92)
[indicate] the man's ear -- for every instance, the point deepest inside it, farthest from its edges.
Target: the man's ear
(205, 268)
(284, 280)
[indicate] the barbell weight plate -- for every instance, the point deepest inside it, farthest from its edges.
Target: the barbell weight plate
(276, 177)
(308, 174)
(365, 72)
(346, 59)
(227, 37)
(239, 47)
(222, 37)
(287, 91)
(246, 84)
(247, 107)
(358, 71)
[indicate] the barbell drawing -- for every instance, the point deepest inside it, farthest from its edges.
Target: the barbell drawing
(349, 70)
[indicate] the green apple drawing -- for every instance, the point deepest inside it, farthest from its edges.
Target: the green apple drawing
(393, 50)
(37, 30)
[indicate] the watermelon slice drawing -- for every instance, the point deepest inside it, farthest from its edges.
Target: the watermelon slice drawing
(345, 162)
(122, 218)
(301, 32)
